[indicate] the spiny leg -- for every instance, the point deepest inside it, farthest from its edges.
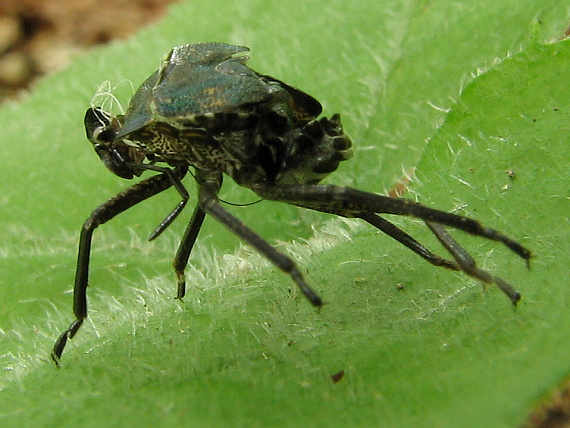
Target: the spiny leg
(113, 207)
(468, 264)
(208, 190)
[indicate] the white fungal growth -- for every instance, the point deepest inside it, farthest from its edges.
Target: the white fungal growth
(106, 99)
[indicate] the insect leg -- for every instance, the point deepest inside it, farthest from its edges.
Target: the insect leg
(208, 190)
(113, 207)
(405, 239)
(176, 181)
(183, 253)
(348, 202)
(468, 264)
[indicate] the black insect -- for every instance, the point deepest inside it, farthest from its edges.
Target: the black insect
(205, 109)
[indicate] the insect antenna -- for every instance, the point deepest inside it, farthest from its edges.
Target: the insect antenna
(233, 204)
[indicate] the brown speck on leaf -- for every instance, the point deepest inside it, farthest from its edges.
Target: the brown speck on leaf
(401, 187)
(337, 377)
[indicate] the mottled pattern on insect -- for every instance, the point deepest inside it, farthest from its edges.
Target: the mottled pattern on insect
(205, 109)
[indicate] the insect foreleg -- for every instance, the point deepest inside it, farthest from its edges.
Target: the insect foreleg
(105, 212)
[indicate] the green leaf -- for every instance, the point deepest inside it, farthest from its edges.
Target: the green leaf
(245, 348)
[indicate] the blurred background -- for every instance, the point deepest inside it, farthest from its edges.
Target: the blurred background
(40, 36)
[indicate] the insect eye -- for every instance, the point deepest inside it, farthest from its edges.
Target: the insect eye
(102, 135)
(100, 126)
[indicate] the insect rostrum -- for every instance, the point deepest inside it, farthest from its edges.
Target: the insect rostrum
(204, 108)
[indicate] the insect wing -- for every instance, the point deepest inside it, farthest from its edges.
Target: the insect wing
(208, 79)
(305, 107)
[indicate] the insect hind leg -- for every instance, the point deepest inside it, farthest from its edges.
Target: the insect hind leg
(405, 239)
(349, 202)
(468, 264)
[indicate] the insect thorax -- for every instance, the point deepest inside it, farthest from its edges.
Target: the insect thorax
(184, 143)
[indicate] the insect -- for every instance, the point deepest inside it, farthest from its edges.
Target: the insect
(205, 109)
